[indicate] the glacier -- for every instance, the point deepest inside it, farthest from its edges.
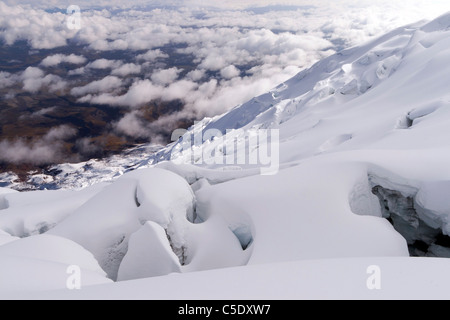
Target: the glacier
(363, 180)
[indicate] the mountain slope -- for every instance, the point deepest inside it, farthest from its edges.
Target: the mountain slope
(362, 96)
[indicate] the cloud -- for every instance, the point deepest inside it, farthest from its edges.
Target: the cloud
(43, 112)
(167, 76)
(7, 79)
(32, 73)
(56, 59)
(104, 85)
(117, 66)
(229, 55)
(196, 75)
(127, 69)
(34, 79)
(41, 29)
(152, 55)
(104, 64)
(153, 28)
(132, 125)
(230, 72)
(207, 99)
(19, 152)
(48, 149)
(144, 91)
(230, 4)
(62, 132)
(77, 72)
(140, 92)
(178, 90)
(86, 147)
(38, 114)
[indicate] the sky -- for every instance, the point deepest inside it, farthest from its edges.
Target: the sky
(426, 6)
(237, 52)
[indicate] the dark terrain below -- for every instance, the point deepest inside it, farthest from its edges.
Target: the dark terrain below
(28, 117)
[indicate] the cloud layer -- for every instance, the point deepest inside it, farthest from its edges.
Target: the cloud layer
(55, 60)
(48, 149)
(209, 56)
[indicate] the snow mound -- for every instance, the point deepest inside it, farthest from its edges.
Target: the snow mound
(4, 204)
(104, 224)
(6, 238)
(34, 213)
(52, 248)
(41, 263)
(149, 255)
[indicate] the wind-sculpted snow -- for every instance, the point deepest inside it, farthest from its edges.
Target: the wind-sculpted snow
(149, 254)
(105, 223)
(4, 204)
(41, 263)
(6, 237)
(363, 172)
(37, 212)
(149, 217)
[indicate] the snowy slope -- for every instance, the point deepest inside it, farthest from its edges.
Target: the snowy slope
(363, 136)
(77, 176)
(362, 97)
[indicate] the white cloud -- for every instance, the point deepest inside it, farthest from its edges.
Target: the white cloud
(103, 85)
(230, 72)
(127, 69)
(7, 79)
(140, 92)
(34, 79)
(132, 125)
(32, 73)
(20, 152)
(104, 64)
(212, 99)
(44, 111)
(62, 132)
(87, 147)
(38, 114)
(140, 30)
(54, 83)
(178, 90)
(54, 60)
(43, 30)
(167, 76)
(144, 91)
(77, 72)
(152, 55)
(196, 75)
(207, 99)
(48, 149)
